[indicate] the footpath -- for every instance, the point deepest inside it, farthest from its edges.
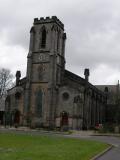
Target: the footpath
(72, 133)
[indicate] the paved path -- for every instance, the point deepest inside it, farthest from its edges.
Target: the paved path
(114, 153)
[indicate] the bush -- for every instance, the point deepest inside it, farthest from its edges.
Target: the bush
(107, 128)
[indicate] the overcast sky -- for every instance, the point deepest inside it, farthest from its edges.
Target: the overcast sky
(93, 35)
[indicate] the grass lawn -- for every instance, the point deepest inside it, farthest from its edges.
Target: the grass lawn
(31, 147)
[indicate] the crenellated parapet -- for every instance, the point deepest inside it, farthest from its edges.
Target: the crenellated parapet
(52, 19)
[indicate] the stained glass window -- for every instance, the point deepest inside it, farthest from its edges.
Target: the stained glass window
(39, 97)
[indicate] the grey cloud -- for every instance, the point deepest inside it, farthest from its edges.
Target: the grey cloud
(92, 29)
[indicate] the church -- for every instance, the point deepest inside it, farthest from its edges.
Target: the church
(51, 96)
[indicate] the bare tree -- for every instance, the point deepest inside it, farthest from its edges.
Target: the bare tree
(6, 79)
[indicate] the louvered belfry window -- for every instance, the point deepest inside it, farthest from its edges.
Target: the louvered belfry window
(43, 39)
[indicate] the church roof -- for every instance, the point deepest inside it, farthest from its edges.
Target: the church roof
(82, 81)
(74, 77)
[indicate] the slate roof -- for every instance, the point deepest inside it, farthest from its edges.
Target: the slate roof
(82, 81)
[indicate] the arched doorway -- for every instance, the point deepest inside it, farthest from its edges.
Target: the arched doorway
(64, 119)
(1, 117)
(16, 119)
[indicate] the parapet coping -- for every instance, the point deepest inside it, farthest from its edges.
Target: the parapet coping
(48, 20)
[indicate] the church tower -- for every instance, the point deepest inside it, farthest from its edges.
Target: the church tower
(45, 69)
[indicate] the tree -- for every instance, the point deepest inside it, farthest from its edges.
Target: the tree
(6, 81)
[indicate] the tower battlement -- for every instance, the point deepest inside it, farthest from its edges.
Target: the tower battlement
(48, 20)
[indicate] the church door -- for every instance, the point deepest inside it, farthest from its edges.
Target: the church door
(17, 117)
(1, 117)
(64, 119)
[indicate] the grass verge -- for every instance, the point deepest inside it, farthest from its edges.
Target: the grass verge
(31, 147)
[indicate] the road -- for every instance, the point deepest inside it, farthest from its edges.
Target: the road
(114, 153)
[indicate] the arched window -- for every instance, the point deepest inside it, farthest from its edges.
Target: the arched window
(43, 38)
(58, 40)
(64, 118)
(39, 100)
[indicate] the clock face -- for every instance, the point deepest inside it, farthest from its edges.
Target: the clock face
(43, 57)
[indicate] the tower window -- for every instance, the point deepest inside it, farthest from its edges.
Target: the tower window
(43, 39)
(58, 40)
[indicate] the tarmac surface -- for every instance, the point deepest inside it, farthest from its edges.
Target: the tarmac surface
(114, 153)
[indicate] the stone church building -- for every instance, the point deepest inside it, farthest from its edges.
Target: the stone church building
(51, 96)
